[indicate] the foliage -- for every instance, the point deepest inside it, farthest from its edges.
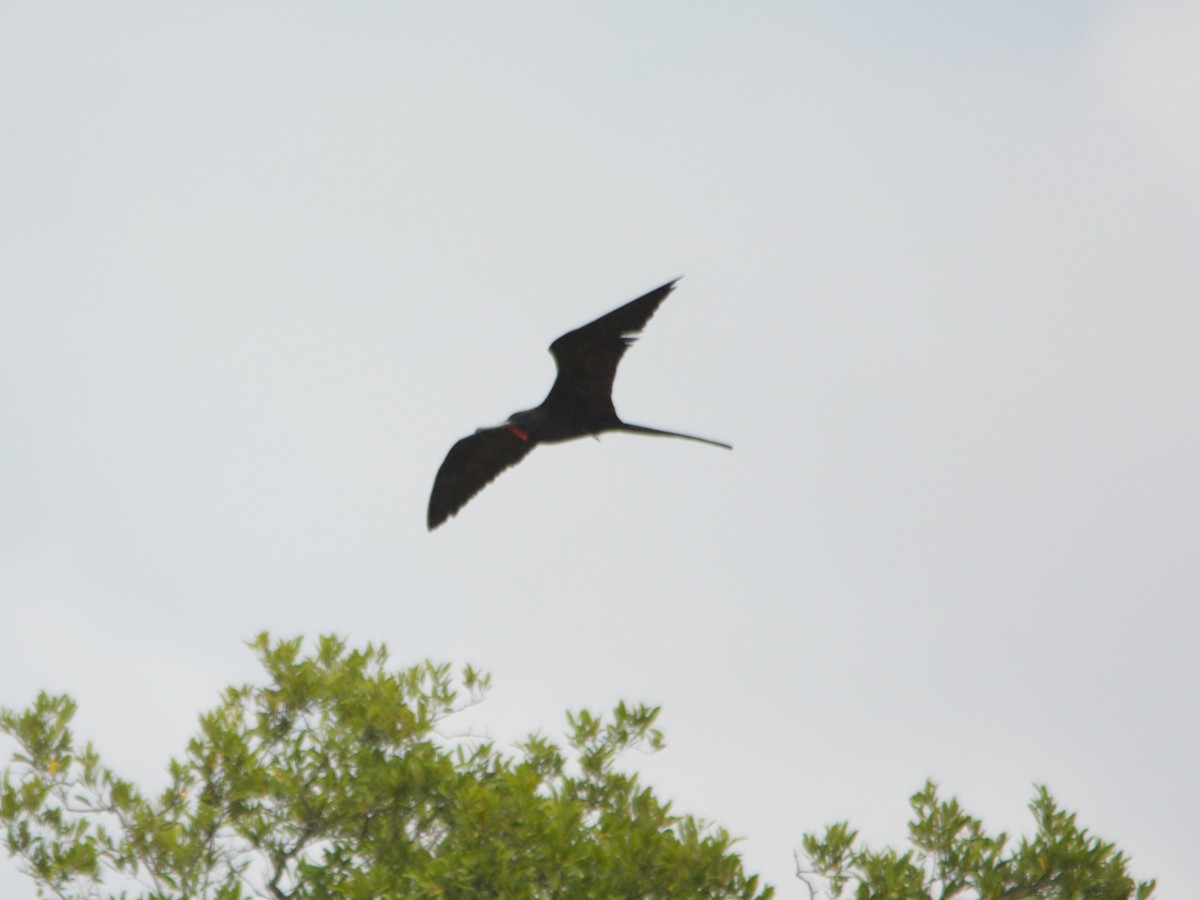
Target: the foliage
(334, 780)
(952, 856)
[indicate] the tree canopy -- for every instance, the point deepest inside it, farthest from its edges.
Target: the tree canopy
(953, 856)
(336, 779)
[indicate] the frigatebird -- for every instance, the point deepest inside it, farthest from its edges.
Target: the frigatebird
(578, 405)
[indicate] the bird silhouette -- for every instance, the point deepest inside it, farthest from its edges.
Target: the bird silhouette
(578, 405)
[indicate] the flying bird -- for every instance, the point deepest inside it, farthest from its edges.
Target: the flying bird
(578, 405)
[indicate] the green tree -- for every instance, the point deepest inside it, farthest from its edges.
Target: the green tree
(952, 856)
(336, 780)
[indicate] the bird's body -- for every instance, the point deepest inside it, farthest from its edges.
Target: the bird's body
(578, 405)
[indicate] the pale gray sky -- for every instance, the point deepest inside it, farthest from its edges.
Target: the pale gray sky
(264, 264)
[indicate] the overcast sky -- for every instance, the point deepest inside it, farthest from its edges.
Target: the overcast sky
(263, 264)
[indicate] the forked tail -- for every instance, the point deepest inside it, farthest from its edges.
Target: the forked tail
(642, 429)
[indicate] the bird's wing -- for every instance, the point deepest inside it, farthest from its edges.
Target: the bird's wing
(587, 357)
(470, 466)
